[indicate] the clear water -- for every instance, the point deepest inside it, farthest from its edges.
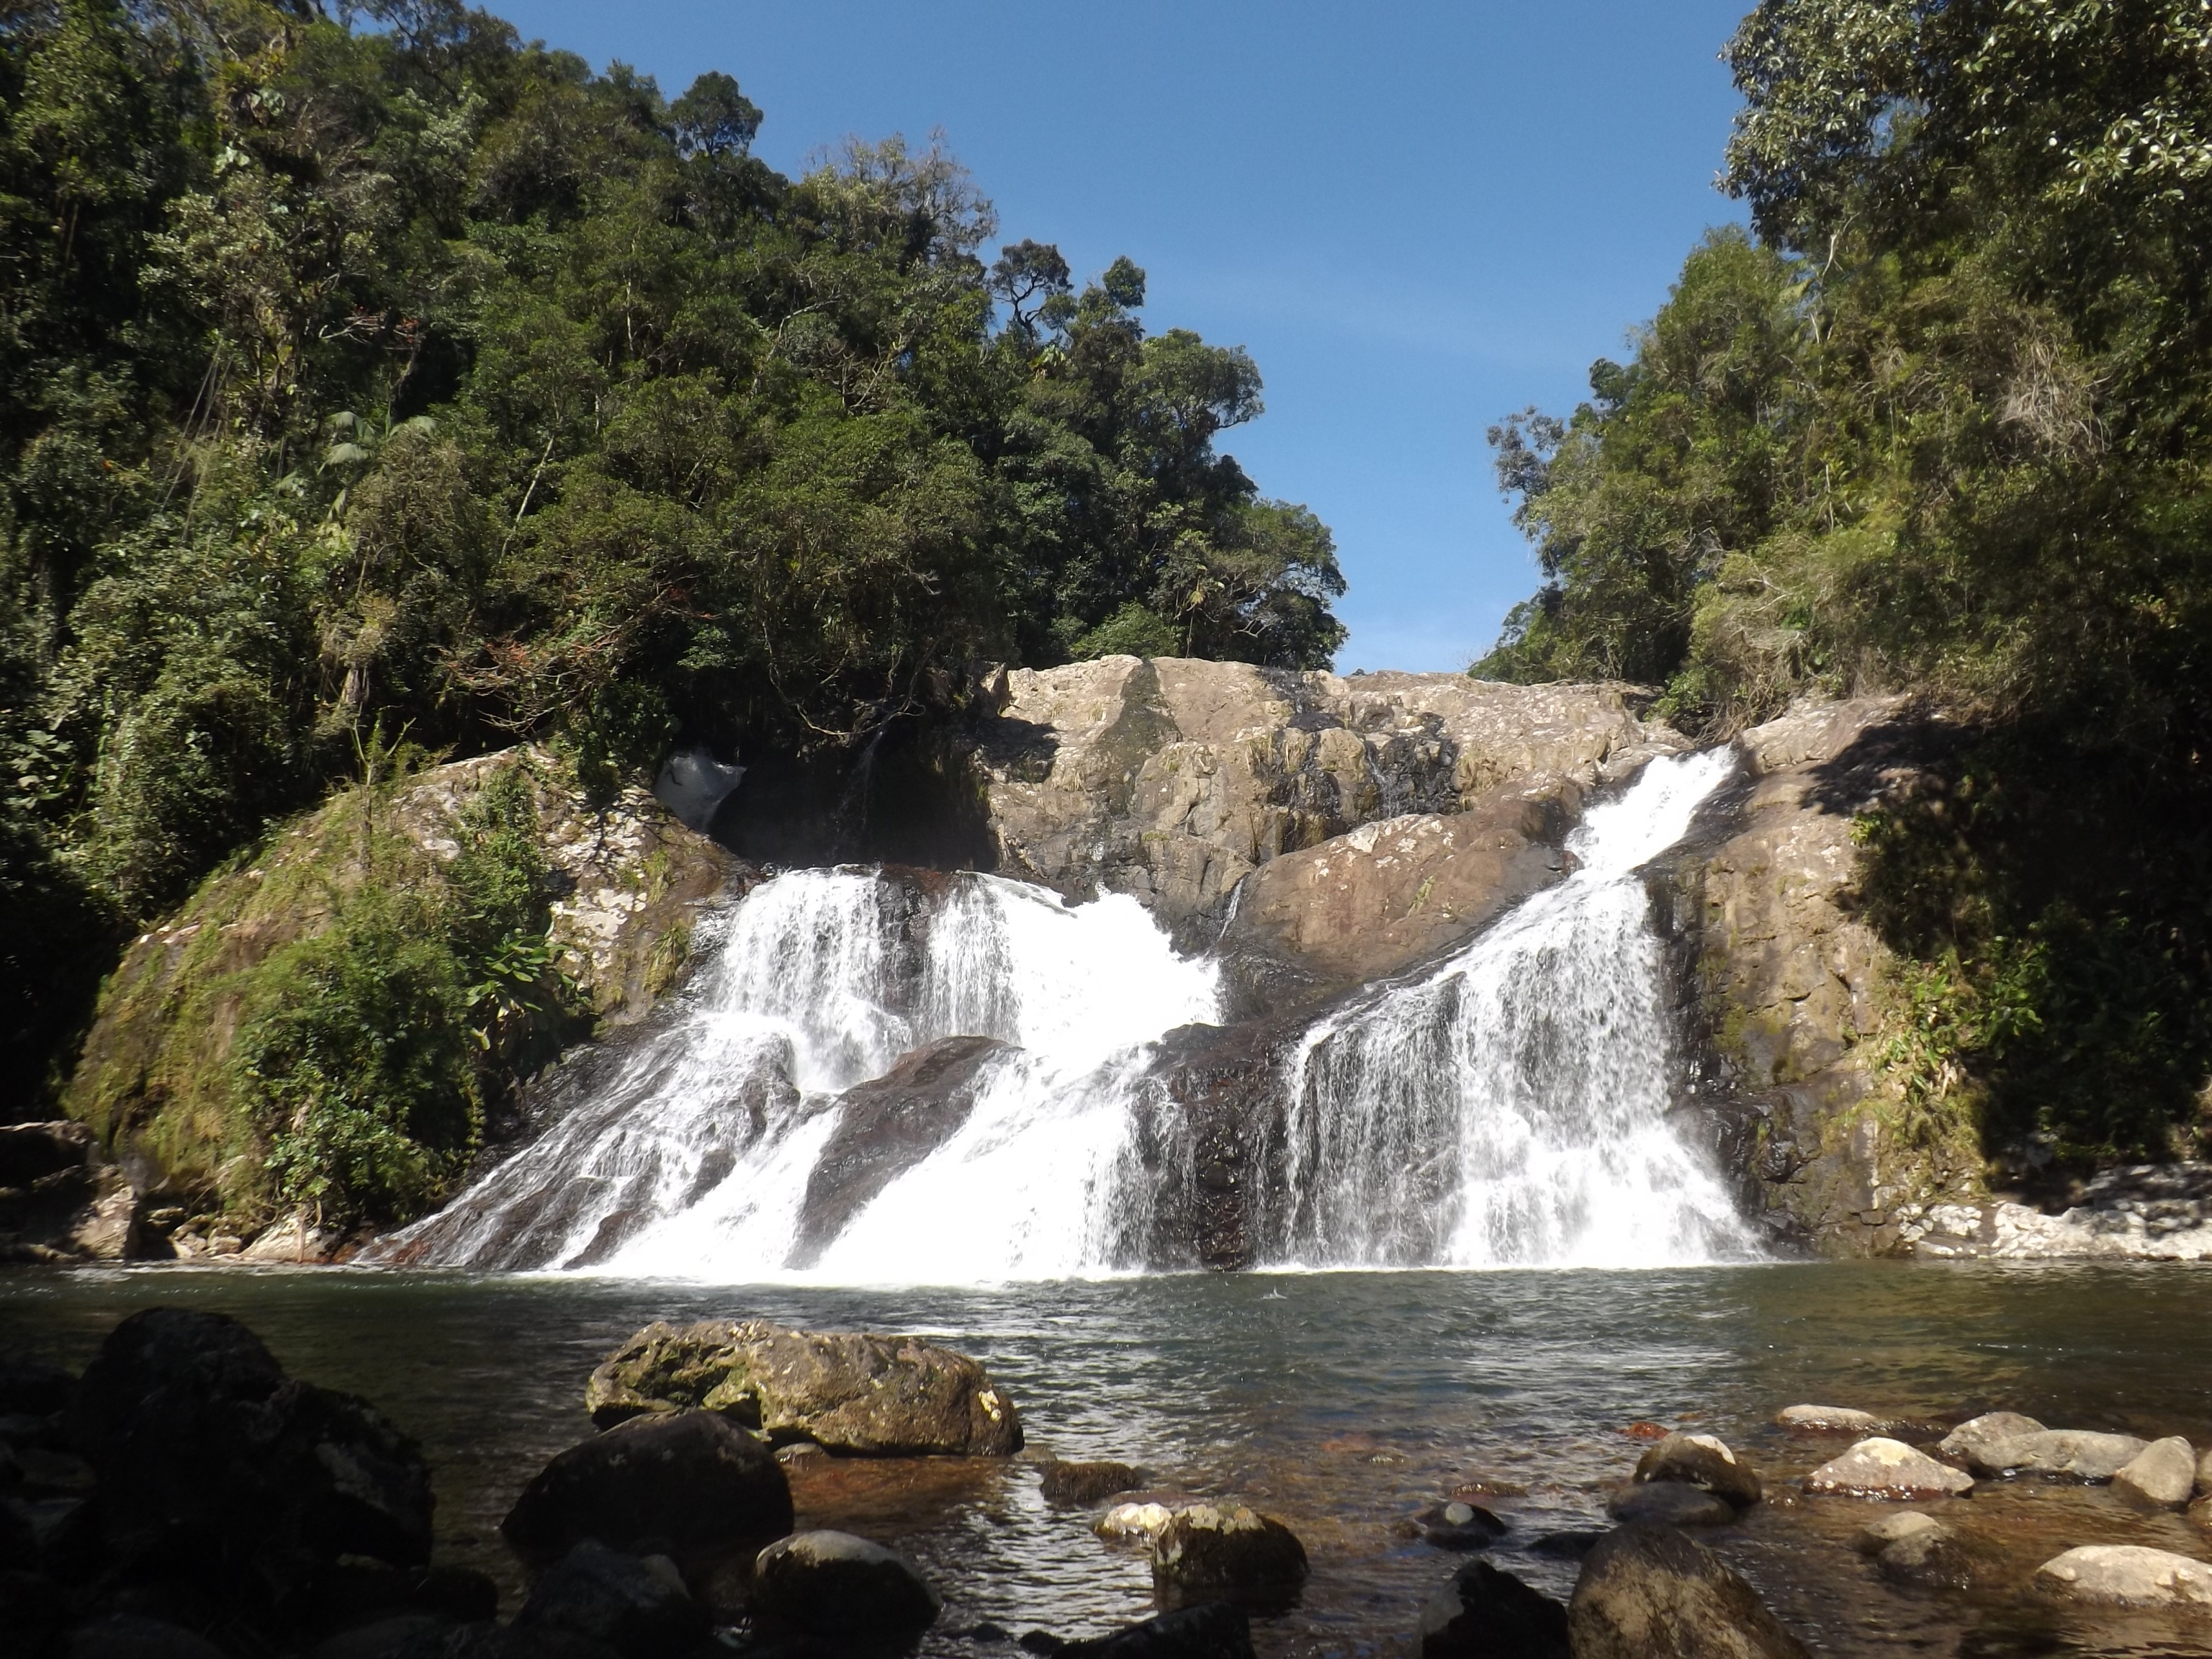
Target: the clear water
(1343, 1402)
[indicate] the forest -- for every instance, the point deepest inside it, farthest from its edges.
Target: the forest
(1938, 423)
(376, 385)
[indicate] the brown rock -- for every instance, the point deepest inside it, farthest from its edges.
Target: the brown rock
(1078, 1485)
(1212, 1551)
(1649, 1592)
(1703, 1461)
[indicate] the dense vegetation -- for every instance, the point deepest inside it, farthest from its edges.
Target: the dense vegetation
(1942, 424)
(379, 373)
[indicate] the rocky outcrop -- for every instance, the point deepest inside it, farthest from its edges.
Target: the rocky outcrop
(848, 1392)
(59, 1199)
(2156, 1212)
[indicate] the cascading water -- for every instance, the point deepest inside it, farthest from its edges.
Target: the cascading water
(1509, 1106)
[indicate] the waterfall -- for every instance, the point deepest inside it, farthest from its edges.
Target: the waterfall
(1509, 1105)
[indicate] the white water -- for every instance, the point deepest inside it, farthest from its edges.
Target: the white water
(1511, 1106)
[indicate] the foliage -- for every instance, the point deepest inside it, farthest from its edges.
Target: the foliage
(1941, 425)
(411, 374)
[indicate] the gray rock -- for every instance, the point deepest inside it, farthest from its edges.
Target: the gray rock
(636, 1605)
(1647, 1592)
(693, 1486)
(2075, 1453)
(1829, 1420)
(1459, 1525)
(125, 1636)
(1484, 1612)
(832, 1584)
(1885, 1469)
(1212, 1629)
(1212, 1551)
(2126, 1575)
(1669, 1503)
(1078, 1485)
(1705, 1461)
(1930, 1554)
(1977, 1434)
(1878, 1536)
(2159, 1477)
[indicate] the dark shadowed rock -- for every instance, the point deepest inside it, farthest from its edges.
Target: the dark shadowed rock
(125, 1636)
(1460, 1525)
(693, 1486)
(1649, 1592)
(1214, 1552)
(1212, 1629)
(1486, 1613)
(1703, 1461)
(886, 1127)
(832, 1584)
(1669, 1503)
(32, 1388)
(1571, 1545)
(32, 1607)
(1078, 1485)
(636, 1605)
(860, 1395)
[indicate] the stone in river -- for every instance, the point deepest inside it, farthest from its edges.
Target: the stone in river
(2159, 1477)
(1135, 1519)
(2204, 1473)
(1880, 1468)
(1214, 1552)
(1459, 1525)
(1212, 1629)
(1078, 1485)
(1829, 1420)
(1648, 1591)
(855, 1392)
(1913, 1548)
(1486, 1613)
(832, 1584)
(2126, 1575)
(1701, 1460)
(2076, 1453)
(1878, 1536)
(1669, 1503)
(694, 1486)
(636, 1605)
(1975, 1433)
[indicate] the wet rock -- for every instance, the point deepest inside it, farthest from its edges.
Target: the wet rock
(1486, 1613)
(2159, 1477)
(1703, 1461)
(636, 1605)
(2201, 1512)
(1884, 1468)
(1649, 1593)
(1976, 1435)
(832, 1584)
(1212, 1629)
(2126, 1575)
(124, 1636)
(863, 1395)
(1568, 1546)
(2076, 1454)
(1829, 1420)
(1229, 1553)
(32, 1388)
(1078, 1485)
(1669, 1503)
(693, 1486)
(1459, 1525)
(1144, 1521)
(1878, 1536)
(1912, 1548)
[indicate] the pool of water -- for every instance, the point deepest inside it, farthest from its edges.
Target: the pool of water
(1342, 1403)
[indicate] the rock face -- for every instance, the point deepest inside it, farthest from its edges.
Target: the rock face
(2126, 1575)
(59, 1199)
(832, 1584)
(2153, 1212)
(693, 1486)
(1649, 1593)
(1212, 1551)
(2162, 1476)
(1486, 1613)
(863, 1395)
(1885, 1469)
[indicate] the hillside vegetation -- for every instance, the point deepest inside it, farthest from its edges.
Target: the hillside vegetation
(1941, 422)
(371, 373)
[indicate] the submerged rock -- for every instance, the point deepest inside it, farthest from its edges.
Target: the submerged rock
(833, 1583)
(1649, 1592)
(1230, 1552)
(1976, 1435)
(2159, 1477)
(2077, 1454)
(693, 1486)
(1917, 1549)
(1669, 1503)
(1703, 1461)
(637, 1606)
(1078, 1485)
(1486, 1613)
(1885, 1469)
(2126, 1575)
(860, 1395)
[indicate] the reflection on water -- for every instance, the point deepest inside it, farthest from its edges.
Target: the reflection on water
(1341, 1402)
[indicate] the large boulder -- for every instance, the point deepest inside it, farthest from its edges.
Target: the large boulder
(1880, 1467)
(2159, 1477)
(1485, 1613)
(691, 1485)
(860, 1395)
(1649, 1592)
(1703, 1461)
(1212, 1551)
(832, 1584)
(637, 1606)
(2075, 1453)
(2126, 1575)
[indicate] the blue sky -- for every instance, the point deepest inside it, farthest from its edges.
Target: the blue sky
(1418, 217)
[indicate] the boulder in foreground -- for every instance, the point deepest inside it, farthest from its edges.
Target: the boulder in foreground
(1884, 1468)
(833, 1583)
(1212, 1551)
(1486, 1613)
(2126, 1575)
(1649, 1592)
(637, 1606)
(848, 1392)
